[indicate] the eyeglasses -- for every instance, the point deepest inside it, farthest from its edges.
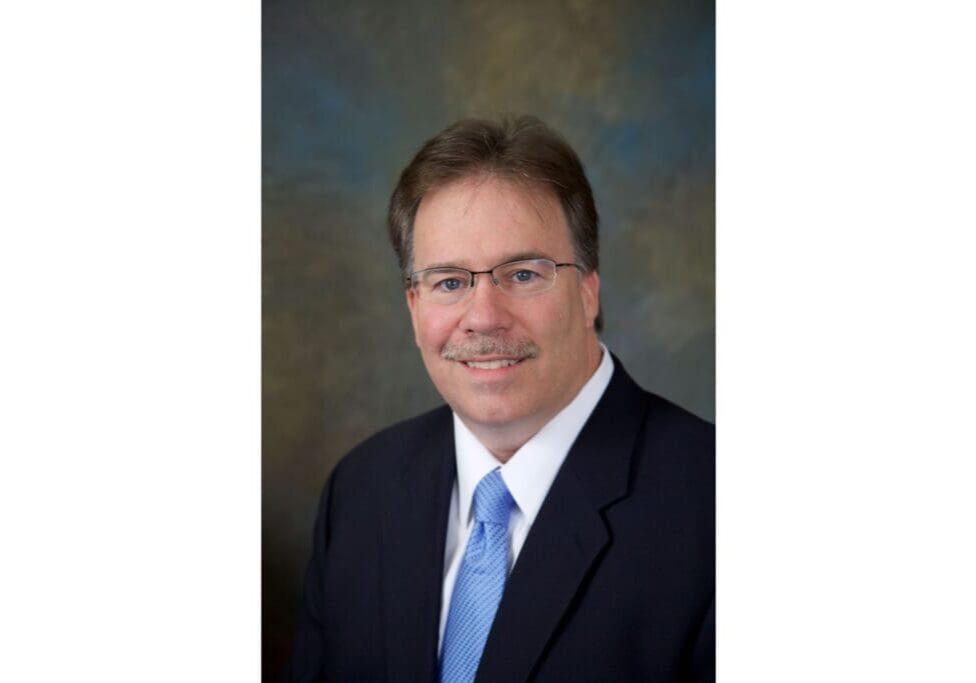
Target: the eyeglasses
(516, 278)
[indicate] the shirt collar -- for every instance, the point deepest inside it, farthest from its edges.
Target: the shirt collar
(530, 471)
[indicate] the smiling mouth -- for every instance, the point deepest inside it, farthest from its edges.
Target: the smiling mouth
(484, 352)
(491, 364)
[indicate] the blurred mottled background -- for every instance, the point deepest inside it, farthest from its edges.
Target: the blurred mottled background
(350, 91)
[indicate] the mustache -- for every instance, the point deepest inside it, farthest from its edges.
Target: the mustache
(489, 346)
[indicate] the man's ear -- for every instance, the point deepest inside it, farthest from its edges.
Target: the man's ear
(412, 306)
(590, 291)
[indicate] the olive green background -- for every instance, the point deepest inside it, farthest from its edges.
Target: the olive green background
(350, 92)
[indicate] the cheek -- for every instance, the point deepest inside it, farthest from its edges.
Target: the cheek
(433, 330)
(555, 318)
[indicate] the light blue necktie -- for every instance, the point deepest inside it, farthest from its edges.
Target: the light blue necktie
(480, 582)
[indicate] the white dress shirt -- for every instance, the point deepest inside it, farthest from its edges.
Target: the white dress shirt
(528, 475)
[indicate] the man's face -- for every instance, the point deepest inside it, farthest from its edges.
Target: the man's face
(477, 224)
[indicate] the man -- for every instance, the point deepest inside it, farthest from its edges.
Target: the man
(553, 522)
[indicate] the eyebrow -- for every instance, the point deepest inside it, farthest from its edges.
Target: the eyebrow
(520, 256)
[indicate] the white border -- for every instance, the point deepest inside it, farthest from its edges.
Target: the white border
(846, 342)
(130, 351)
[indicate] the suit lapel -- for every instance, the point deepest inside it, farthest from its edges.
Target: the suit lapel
(414, 530)
(567, 536)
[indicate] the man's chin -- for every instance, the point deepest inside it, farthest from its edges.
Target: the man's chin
(489, 413)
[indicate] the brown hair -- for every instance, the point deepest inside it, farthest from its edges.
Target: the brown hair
(521, 149)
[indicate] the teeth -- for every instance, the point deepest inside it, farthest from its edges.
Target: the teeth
(490, 364)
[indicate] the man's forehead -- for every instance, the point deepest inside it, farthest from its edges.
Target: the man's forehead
(521, 200)
(489, 217)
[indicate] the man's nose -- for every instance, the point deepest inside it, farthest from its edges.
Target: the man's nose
(487, 307)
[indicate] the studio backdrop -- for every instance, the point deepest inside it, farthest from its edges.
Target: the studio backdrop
(350, 92)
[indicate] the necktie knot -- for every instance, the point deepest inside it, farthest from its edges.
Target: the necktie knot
(492, 501)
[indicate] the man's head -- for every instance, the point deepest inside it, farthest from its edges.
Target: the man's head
(511, 350)
(522, 150)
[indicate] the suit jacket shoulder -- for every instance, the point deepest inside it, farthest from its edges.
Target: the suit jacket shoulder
(372, 588)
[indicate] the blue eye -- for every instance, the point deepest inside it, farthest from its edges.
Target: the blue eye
(523, 276)
(450, 284)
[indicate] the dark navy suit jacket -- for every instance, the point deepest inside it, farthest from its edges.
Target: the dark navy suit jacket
(615, 581)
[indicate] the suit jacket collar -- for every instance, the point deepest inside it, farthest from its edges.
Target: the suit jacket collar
(567, 536)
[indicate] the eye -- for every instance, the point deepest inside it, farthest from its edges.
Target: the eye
(450, 284)
(523, 276)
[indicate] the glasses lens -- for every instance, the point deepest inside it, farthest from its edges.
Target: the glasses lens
(443, 285)
(525, 278)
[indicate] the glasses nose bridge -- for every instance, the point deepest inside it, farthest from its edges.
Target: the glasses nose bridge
(491, 297)
(485, 311)
(491, 278)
